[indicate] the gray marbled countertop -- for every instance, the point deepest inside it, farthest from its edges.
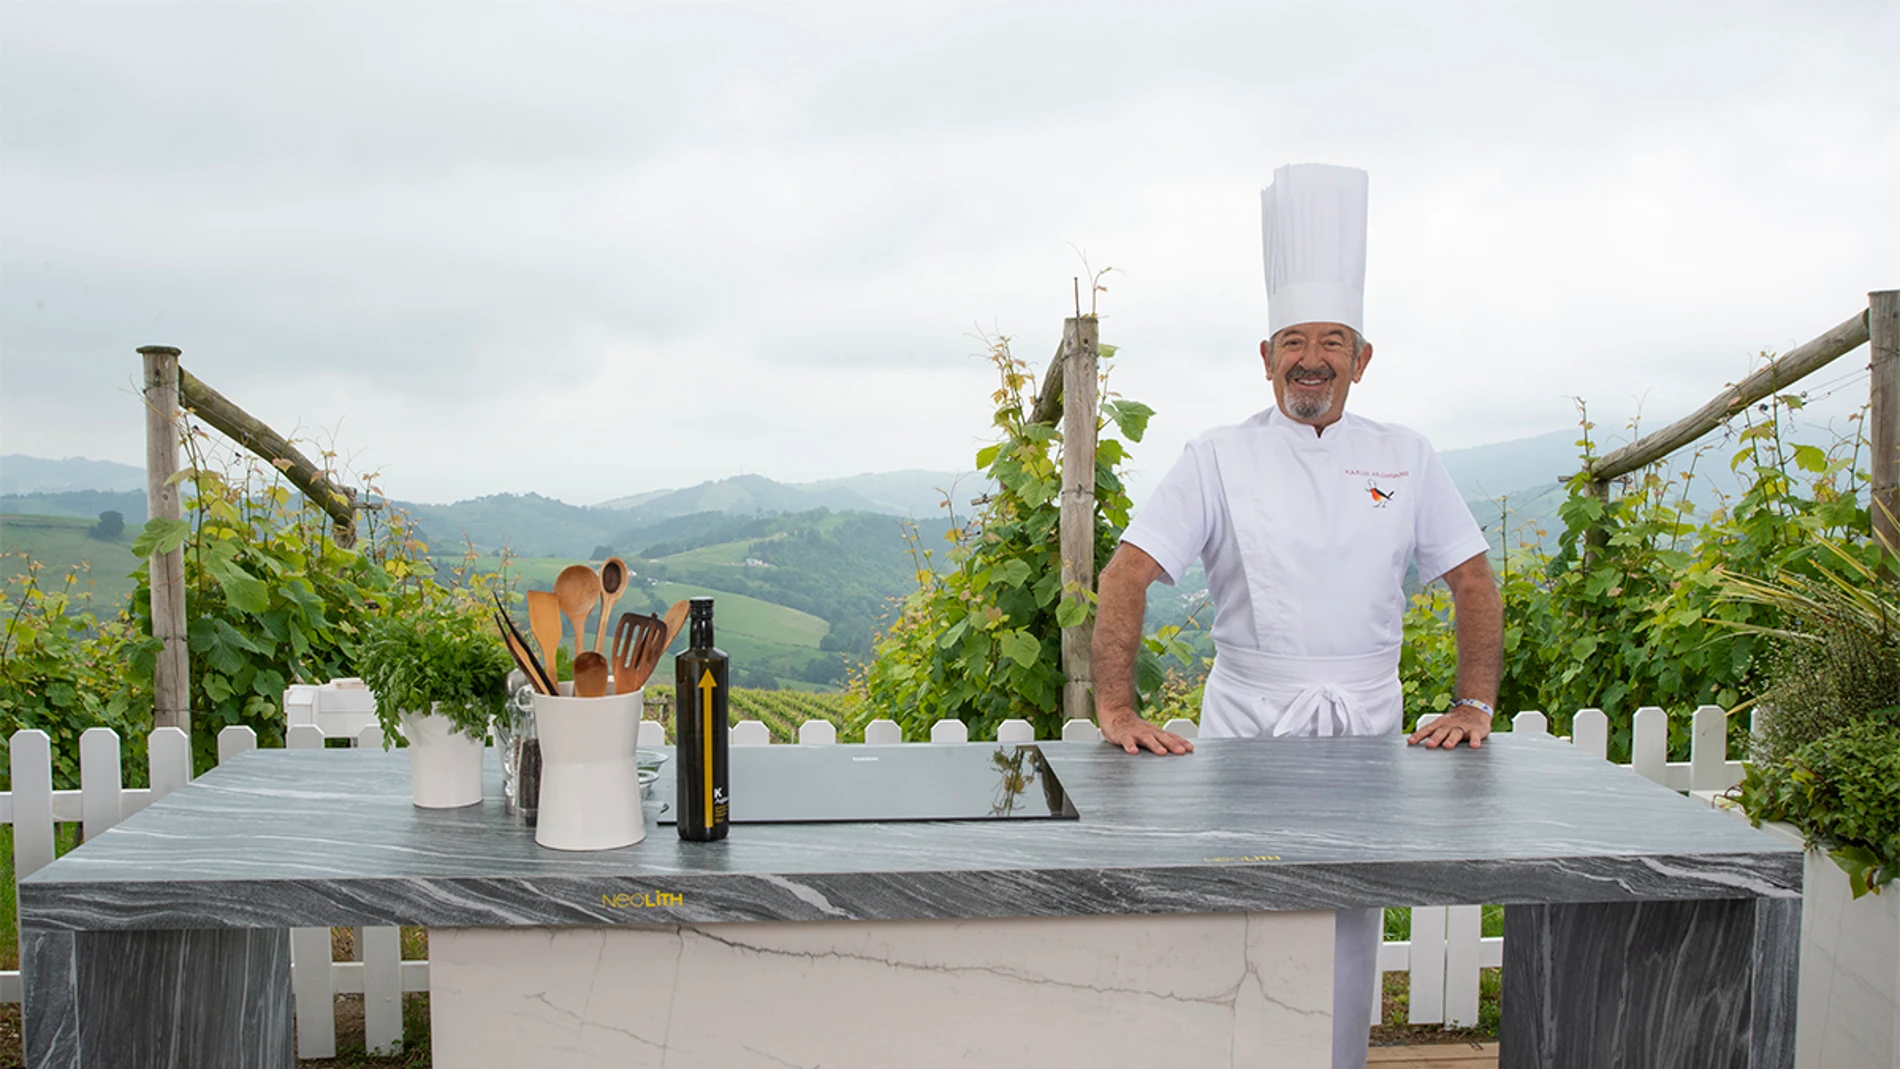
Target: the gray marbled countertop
(329, 837)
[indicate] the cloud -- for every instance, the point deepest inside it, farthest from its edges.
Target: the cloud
(763, 235)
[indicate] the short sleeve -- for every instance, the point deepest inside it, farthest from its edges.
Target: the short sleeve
(1174, 525)
(1446, 535)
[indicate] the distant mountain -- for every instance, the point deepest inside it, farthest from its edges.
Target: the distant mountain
(20, 474)
(1516, 487)
(910, 493)
(1522, 465)
(528, 524)
(898, 493)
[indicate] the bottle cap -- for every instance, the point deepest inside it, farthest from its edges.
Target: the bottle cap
(700, 608)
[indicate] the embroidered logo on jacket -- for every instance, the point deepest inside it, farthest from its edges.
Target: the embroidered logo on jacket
(1379, 497)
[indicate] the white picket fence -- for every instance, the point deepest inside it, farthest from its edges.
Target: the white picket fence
(1444, 955)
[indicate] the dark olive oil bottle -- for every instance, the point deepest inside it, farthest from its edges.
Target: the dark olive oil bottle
(699, 676)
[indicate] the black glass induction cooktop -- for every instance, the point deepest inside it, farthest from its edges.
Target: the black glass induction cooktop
(809, 784)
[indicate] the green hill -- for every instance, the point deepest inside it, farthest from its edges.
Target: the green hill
(526, 523)
(102, 567)
(80, 504)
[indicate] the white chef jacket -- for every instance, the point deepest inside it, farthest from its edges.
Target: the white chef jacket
(1306, 539)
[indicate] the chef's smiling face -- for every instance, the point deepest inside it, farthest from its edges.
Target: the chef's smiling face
(1312, 367)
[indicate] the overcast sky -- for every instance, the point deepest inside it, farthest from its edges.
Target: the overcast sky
(594, 249)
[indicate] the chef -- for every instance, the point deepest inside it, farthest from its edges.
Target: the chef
(1305, 518)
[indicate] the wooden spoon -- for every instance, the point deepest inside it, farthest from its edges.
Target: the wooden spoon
(544, 620)
(590, 675)
(613, 583)
(577, 590)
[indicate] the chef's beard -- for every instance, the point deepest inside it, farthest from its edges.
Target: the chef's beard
(1305, 403)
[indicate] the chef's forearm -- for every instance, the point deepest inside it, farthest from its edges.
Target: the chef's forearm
(1478, 616)
(1121, 600)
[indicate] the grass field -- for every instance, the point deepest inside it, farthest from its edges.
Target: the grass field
(731, 553)
(61, 545)
(736, 614)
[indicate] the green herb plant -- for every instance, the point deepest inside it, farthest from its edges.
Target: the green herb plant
(443, 656)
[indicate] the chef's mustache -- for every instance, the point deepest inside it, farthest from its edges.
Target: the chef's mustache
(1312, 374)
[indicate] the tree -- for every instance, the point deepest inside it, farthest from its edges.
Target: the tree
(110, 528)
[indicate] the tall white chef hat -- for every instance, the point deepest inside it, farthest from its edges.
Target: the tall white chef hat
(1313, 221)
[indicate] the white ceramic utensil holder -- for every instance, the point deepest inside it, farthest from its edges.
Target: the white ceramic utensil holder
(590, 779)
(445, 765)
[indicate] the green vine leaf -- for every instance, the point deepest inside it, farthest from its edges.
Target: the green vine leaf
(160, 536)
(1019, 647)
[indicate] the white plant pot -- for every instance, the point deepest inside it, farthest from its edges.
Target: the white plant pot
(1849, 1016)
(445, 765)
(590, 780)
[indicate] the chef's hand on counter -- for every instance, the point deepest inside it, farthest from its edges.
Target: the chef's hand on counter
(1121, 599)
(1130, 732)
(1478, 616)
(1464, 723)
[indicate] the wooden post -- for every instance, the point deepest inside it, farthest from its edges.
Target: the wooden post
(251, 433)
(1598, 540)
(1781, 373)
(171, 674)
(1883, 335)
(1080, 341)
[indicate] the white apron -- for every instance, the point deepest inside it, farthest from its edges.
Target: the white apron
(1250, 694)
(1306, 547)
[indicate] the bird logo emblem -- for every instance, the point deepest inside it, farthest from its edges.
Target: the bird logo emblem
(1379, 497)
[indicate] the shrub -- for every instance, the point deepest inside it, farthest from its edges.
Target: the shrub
(63, 670)
(1843, 791)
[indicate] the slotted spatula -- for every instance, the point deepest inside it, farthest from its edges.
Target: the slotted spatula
(636, 636)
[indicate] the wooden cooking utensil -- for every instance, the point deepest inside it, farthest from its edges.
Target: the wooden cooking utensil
(613, 583)
(638, 641)
(650, 654)
(626, 652)
(577, 591)
(524, 658)
(675, 619)
(590, 675)
(518, 648)
(544, 619)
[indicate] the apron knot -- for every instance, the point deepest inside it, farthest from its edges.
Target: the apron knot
(1251, 693)
(1323, 709)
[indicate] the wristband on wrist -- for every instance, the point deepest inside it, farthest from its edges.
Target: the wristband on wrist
(1475, 704)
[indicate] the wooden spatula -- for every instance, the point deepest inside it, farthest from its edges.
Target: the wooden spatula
(544, 620)
(636, 636)
(675, 619)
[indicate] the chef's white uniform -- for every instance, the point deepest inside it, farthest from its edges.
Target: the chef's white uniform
(1306, 539)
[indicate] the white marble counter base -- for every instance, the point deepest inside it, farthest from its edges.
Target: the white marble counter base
(1182, 990)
